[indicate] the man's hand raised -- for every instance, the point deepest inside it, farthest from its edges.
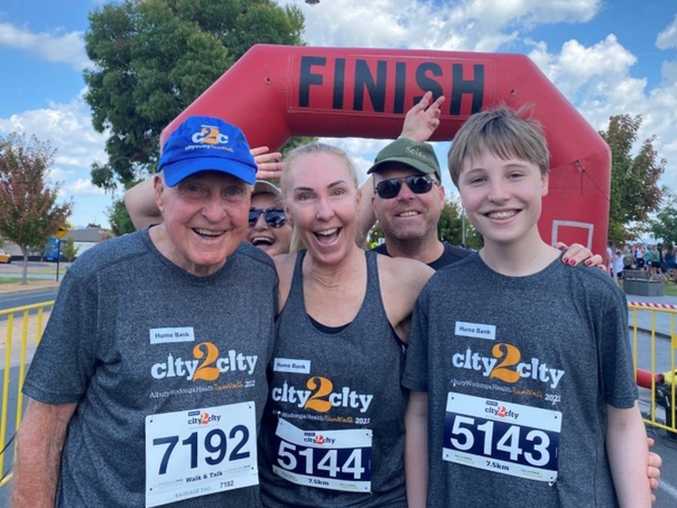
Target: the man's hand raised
(422, 119)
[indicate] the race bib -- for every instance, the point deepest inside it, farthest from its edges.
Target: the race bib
(199, 452)
(327, 459)
(502, 437)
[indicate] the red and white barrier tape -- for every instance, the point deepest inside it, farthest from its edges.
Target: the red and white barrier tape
(650, 305)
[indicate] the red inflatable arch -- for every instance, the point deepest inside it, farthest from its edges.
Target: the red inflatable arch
(274, 92)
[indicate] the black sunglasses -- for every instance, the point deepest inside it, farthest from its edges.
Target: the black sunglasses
(390, 188)
(275, 217)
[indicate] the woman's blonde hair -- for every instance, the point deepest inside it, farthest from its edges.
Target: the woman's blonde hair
(285, 181)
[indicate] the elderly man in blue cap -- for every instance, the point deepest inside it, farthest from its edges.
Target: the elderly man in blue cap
(148, 386)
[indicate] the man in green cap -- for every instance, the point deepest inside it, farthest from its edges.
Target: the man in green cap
(407, 196)
(407, 202)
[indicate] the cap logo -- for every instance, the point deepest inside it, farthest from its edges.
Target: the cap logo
(209, 135)
(416, 151)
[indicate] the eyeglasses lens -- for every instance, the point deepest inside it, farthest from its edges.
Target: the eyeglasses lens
(390, 188)
(274, 217)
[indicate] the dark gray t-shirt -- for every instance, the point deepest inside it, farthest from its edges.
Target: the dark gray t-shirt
(518, 372)
(451, 254)
(333, 430)
(133, 335)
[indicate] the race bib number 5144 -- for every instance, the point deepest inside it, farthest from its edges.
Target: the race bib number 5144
(201, 451)
(503, 437)
(328, 459)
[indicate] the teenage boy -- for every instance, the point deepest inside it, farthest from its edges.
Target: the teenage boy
(523, 393)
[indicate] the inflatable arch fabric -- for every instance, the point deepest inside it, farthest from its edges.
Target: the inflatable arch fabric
(274, 92)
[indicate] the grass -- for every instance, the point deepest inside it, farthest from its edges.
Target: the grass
(670, 289)
(9, 280)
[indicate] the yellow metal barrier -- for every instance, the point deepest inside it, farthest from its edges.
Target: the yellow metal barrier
(657, 321)
(661, 384)
(31, 321)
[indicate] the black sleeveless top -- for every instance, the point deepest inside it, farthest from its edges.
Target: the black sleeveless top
(333, 430)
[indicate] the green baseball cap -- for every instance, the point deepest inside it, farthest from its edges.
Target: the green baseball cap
(419, 156)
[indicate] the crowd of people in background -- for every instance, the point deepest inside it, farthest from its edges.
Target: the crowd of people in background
(657, 259)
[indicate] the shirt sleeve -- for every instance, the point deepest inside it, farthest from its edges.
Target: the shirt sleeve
(64, 362)
(415, 375)
(618, 377)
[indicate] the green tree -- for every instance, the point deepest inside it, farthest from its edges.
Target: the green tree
(664, 225)
(68, 248)
(120, 222)
(154, 57)
(635, 192)
(451, 227)
(28, 210)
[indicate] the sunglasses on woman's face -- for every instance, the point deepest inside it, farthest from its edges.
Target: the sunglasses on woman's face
(390, 188)
(274, 217)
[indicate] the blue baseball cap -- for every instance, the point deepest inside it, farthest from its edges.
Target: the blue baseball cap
(205, 143)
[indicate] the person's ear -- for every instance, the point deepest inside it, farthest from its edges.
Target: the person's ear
(159, 189)
(545, 184)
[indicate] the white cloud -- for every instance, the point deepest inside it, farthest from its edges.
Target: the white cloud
(463, 25)
(61, 48)
(68, 128)
(598, 80)
(575, 66)
(669, 71)
(668, 37)
(81, 187)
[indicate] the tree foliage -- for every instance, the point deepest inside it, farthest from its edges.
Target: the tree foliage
(451, 227)
(28, 209)
(154, 57)
(120, 222)
(635, 192)
(664, 225)
(68, 249)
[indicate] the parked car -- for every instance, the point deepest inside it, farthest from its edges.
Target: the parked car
(4, 257)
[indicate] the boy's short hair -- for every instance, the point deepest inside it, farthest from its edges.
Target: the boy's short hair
(502, 132)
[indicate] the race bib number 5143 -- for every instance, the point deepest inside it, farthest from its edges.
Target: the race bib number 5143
(503, 437)
(199, 452)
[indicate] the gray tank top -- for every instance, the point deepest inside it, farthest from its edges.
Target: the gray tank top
(333, 429)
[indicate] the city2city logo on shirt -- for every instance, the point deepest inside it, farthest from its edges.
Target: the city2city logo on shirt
(207, 364)
(202, 418)
(505, 365)
(209, 135)
(320, 396)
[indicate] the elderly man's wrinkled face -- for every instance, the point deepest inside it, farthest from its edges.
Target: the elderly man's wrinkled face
(269, 229)
(205, 219)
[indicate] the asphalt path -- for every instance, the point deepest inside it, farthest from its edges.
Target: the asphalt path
(19, 298)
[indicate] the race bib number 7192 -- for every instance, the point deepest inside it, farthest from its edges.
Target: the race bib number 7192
(198, 452)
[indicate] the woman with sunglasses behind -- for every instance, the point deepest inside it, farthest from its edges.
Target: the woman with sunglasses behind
(269, 229)
(333, 429)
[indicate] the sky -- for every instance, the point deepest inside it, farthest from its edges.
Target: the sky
(606, 56)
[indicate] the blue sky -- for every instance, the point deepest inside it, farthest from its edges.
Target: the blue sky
(607, 57)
